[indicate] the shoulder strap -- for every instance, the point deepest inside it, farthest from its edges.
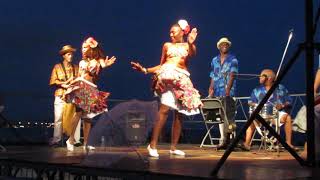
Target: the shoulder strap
(64, 71)
(73, 70)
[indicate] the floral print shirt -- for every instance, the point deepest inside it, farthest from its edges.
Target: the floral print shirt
(220, 74)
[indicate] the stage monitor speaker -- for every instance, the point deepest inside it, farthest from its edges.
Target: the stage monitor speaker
(136, 127)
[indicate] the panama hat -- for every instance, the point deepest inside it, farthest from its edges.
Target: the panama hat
(223, 40)
(65, 49)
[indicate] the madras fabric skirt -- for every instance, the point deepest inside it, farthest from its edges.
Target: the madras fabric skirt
(174, 82)
(88, 98)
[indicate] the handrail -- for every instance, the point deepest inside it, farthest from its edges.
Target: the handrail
(242, 106)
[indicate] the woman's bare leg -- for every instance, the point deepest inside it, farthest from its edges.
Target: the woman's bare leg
(86, 130)
(74, 122)
(176, 130)
(163, 115)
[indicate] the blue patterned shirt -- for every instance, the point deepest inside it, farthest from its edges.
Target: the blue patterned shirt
(220, 74)
(279, 96)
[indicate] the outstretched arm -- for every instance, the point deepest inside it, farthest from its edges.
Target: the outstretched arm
(137, 66)
(107, 62)
(191, 39)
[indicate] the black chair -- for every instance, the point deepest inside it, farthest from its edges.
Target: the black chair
(213, 113)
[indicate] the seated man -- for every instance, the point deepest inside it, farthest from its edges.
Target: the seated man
(280, 99)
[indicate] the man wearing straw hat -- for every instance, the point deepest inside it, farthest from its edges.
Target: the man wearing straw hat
(62, 74)
(222, 85)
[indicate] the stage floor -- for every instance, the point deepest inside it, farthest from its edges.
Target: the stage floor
(198, 162)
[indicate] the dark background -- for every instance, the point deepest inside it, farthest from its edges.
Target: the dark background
(32, 33)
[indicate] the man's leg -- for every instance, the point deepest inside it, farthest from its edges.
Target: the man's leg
(77, 134)
(58, 111)
(222, 135)
(304, 153)
(286, 119)
(229, 123)
(249, 133)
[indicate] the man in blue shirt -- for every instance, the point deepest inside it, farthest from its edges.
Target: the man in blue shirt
(280, 99)
(223, 83)
(223, 70)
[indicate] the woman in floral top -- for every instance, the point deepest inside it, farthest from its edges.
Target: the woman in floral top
(84, 93)
(173, 84)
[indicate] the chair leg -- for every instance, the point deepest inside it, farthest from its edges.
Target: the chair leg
(221, 130)
(206, 135)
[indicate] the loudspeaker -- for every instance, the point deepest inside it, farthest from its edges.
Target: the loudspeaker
(136, 127)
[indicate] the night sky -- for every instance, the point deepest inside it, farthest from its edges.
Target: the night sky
(32, 33)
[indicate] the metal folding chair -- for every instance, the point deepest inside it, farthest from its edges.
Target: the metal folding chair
(213, 113)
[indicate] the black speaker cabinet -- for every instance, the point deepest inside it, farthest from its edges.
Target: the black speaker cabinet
(136, 127)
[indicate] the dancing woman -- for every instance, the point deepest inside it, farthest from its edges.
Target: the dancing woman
(83, 91)
(173, 84)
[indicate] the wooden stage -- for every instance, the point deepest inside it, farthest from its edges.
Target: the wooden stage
(134, 163)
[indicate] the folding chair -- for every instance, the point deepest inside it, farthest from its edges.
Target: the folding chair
(213, 113)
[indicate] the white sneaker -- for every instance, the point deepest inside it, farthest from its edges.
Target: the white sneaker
(177, 152)
(89, 148)
(152, 152)
(70, 146)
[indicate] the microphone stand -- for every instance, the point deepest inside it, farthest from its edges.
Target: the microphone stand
(285, 51)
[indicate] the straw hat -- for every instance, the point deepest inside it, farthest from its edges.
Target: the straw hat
(223, 40)
(65, 49)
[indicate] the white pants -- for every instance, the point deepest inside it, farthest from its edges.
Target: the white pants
(58, 112)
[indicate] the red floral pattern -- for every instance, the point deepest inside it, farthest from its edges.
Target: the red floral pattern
(88, 98)
(179, 82)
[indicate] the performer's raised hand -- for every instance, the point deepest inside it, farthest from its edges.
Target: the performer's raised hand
(137, 66)
(109, 61)
(192, 35)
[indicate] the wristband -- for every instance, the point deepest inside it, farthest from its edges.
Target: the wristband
(145, 70)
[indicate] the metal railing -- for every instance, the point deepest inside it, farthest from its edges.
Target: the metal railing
(242, 114)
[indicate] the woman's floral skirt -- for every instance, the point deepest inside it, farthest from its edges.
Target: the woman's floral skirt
(88, 98)
(177, 80)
